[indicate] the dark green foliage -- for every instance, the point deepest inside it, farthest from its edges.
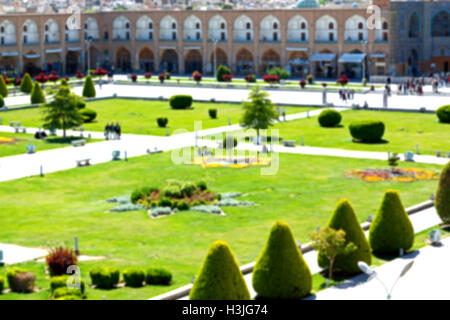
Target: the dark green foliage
(229, 142)
(180, 101)
(280, 271)
(220, 277)
(2, 284)
(105, 278)
(310, 78)
(329, 118)
(162, 122)
(188, 188)
(88, 88)
(141, 193)
(282, 74)
(212, 113)
(344, 218)
(391, 229)
(37, 95)
(61, 282)
(183, 205)
(2, 102)
(202, 185)
(367, 130)
(171, 191)
(3, 87)
(27, 84)
(64, 292)
(89, 115)
(443, 113)
(158, 276)
(64, 82)
(221, 70)
(165, 202)
(80, 103)
(134, 277)
(442, 202)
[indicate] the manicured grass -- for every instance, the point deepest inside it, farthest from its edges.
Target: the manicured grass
(403, 131)
(139, 116)
(23, 139)
(72, 203)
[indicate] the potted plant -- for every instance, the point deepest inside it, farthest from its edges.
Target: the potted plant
(148, 76)
(302, 83)
(134, 77)
(162, 77)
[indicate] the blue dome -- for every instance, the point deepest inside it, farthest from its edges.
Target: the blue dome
(307, 4)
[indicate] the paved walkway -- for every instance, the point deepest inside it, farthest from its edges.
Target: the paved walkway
(17, 254)
(374, 99)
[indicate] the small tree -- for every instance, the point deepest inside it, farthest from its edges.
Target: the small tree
(331, 243)
(27, 84)
(37, 95)
(259, 111)
(88, 88)
(221, 70)
(442, 202)
(63, 111)
(3, 87)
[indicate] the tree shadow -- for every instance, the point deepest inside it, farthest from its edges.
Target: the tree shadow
(393, 256)
(382, 141)
(62, 140)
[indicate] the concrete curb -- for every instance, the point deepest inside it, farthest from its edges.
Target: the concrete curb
(248, 268)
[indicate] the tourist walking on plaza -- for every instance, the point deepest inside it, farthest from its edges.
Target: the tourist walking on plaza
(107, 131)
(117, 131)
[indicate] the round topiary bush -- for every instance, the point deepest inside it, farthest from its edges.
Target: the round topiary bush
(443, 113)
(89, 115)
(158, 276)
(442, 202)
(162, 122)
(367, 130)
(212, 113)
(344, 218)
(134, 277)
(280, 270)
(391, 229)
(220, 277)
(181, 101)
(105, 278)
(329, 118)
(221, 70)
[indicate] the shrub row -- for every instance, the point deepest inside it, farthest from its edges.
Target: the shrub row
(329, 118)
(367, 130)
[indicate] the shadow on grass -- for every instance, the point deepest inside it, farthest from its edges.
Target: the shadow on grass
(61, 140)
(393, 256)
(382, 141)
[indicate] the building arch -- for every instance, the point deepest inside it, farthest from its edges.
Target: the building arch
(169, 61)
(298, 63)
(123, 60)
(7, 33)
(244, 62)
(270, 59)
(269, 29)
(326, 29)
(192, 29)
(297, 29)
(121, 28)
(221, 58)
(31, 63)
(243, 28)
(193, 61)
(72, 33)
(168, 29)
(217, 28)
(440, 24)
(30, 32)
(51, 31)
(146, 60)
(355, 29)
(94, 58)
(91, 29)
(144, 29)
(414, 25)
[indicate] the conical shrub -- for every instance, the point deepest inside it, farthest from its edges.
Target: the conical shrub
(27, 84)
(280, 271)
(344, 218)
(88, 88)
(37, 96)
(3, 87)
(391, 229)
(220, 277)
(442, 202)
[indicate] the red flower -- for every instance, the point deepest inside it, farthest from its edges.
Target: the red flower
(271, 78)
(197, 76)
(100, 72)
(79, 75)
(7, 81)
(148, 75)
(134, 77)
(41, 77)
(227, 77)
(53, 76)
(343, 79)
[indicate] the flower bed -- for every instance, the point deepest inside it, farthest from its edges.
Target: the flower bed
(397, 174)
(5, 140)
(219, 162)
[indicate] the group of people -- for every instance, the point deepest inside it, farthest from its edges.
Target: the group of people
(411, 87)
(346, 94)
(112, 132)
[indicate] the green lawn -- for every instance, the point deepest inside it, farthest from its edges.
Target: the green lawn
(72, 203)
(19, 146)
(139, 116)
(403, 131)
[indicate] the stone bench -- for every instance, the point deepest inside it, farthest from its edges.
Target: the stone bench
(83, 162)
(149, 151)
(20, 129)
(439, 153)
(15, 124)
(80, 142)
(289, 143)
(81, 129)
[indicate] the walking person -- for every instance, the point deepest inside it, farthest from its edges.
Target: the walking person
(107, 131)
(100, 82)
(118, 130)
(111, 131)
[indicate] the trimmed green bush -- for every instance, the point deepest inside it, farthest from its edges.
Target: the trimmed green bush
(367, 130)
(70, 297)
(20, 280)
(229, 142)
(27, 84)
(89, 115)
(442, 202)
(3, 87)
(162, 122)
(134, 277)
(443, 113)
(37, 95)
(221, 70)
(188, 188)
(329, 118)
(171, 191)
(2, 102)
(391, 229)
(65, 291)
(61, 282)
(220, 277)
(344, 218)
(280, 271)
(212, 113)
(183, 205)
(104, 277)
(2, 284)
(88, 88)
(81, 104)
(158, 276)
(202, 185)
(180, 101)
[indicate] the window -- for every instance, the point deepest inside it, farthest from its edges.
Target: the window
(331, 25)
(127, 26)
(85, 26)
(174, 36)
(46, 27)
(360, 36)
(106, 37)
(275, 25)
(360, 25)
(2, 29)
(197, 35)
(46, 38)
(128, 36)
(150, 35)
(249, 36)
(249, 26)
(25, 28)
(197, 25)
(303, 36)
(174, 25)
(385, 36)
(303, 26)
(385, 25)
(222, 25)
(331, 36)
(3, 40)
(25, 39)
(150, 25)
(275, 36)
(222, 36)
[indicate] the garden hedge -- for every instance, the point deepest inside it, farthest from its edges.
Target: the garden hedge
(88, 88)
(180, 101)
(105, 278)
(134, 277)
(443, 113)
(329, 118)
(89, 115)
(367, 130)
(27, 84)
(442, 202)
(3, 87)
(61, 282)
(158, 276)
(391, 229)
(220, 277)
(2, 284)
(37, 96)
(280, 271)
(344, 218)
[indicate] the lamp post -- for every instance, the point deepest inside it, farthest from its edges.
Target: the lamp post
(88, 42)
(372, 273)
(215, 58)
